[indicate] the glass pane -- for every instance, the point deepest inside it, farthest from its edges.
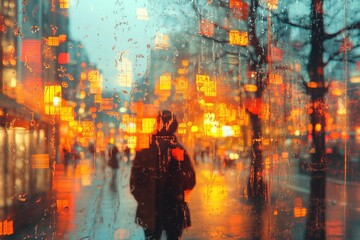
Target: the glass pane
(203, 119)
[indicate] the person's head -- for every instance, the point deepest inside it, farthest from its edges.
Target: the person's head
(166, 122)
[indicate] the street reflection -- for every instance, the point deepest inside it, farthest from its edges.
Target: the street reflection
(83, 201)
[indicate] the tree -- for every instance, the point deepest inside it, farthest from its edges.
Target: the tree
(252, 18)
(324, 35)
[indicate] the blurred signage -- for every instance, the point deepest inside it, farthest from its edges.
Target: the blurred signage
(31, 54)
(273, 4)
(94, 76)
(53, 41)
(222, 111)
(206, 85)
(95, 80)
(40, 161)
(206, 27)
(165, 82)
(64, 4)
(161, 41)
(181, 85)
(182, 129)
(254, 105)
(6, 227)
(299, 210)
(238, 38)
(236, 130)
(142, 14)
(163, 87)
(31, 51)
(107, 103)
(142, 141)
(227, 131)
(62, 38)
(148, 125)
(52, 99)
(61, 204)
(87, 129)
(64, 58)
(67, 113)
(240, 9)
(250, 87)
(275, 78)
(125, 76)
(239, 4)
(97, 98)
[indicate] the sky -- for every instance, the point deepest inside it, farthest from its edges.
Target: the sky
(110, 31)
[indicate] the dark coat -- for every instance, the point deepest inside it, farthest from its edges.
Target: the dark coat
(113, 160)
(158, 181)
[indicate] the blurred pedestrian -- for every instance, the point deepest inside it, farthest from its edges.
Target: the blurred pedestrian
(67, 157)
(127, 153)
(160, 177)
(113, 162)
(76, 155)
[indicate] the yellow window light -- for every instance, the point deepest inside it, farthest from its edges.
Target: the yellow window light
(165, 82)
(83, 76)
(62, 38)
(94, 76)
(250, 87)
(148, 125)
(53, 41)
(182, 128)
(237, 37)
(161, 41)
(52, 99)
(182, 85)
(64, 4)
(318, 127)
(206, 85)
(185, 63)
(194, 129)
(67, 113)
(273, 4)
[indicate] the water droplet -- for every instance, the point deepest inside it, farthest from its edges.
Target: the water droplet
(64, 84)
(34, 29)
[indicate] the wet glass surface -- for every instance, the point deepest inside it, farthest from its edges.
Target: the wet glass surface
(266, 99)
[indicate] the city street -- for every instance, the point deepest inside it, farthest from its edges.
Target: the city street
(88, 207)
(105, 105)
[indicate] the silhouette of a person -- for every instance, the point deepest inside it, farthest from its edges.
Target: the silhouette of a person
(160, 175)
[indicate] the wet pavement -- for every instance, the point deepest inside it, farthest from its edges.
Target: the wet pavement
(89, 207)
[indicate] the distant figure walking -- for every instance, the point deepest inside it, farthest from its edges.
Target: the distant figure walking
(160, 177)
(113, 161)
(67, 157)
(127, 153)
